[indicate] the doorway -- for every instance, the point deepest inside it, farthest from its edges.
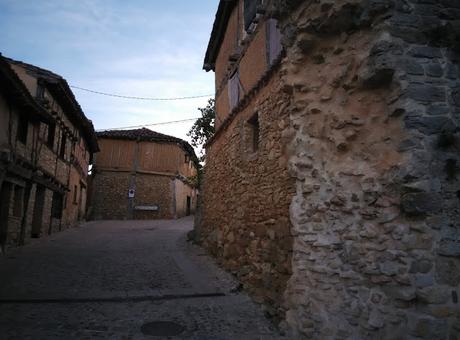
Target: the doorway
(189, 205)
(37, 218)
(5, 203)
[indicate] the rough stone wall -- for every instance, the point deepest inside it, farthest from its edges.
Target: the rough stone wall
(246, 196)
(150, 190)
(110, 195)
(375, 151)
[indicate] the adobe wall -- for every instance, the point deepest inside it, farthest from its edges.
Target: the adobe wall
(245, 199)
(375, 115)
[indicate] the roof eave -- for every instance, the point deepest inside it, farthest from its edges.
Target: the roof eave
(219, 27)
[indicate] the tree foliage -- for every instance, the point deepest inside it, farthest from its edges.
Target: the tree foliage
(203, 129)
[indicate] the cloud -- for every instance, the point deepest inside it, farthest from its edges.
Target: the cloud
(140, 48)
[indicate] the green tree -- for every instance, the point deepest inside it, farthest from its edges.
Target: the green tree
(203, 129)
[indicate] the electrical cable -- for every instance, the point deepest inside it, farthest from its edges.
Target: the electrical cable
(140, 98)
(153, 124)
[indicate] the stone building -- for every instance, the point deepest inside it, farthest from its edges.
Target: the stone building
(340, 161)
(46, 146)
(143, 174)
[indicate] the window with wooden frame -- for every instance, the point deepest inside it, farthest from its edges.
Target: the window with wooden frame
(254, 133)
(234, 90)
(51, 135)
(274, 47)
(63, 145)
(23, 129)
(41, 89)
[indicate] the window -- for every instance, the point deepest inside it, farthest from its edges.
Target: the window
(51, 134)
(186, 158)
(63, 142)
(234, 90)
(23, 128)
(274, 47)
(254, 131)
(40, 90)
(250, 11)
(56, 207)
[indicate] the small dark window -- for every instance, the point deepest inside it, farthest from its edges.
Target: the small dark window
(250, 11)
(23, 128)
(234, 90)
(63, 142)
(254, 132)
(56, 207)
(51, 134)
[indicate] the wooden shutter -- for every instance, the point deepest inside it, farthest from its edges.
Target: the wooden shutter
(234, 90)
(274, 47)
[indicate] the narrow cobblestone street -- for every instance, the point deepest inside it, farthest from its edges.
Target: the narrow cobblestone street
(107, 279)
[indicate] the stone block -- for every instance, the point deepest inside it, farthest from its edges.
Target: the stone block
(438, 110)
(425, 52)
(400, 293)
(389, 268)
(430, 124)
(412, 67)
(427, 93)
(429, 328)
(434, 70)
(434, 294)
(424, 280)
(421, 203)
(448, 271)
(449, 247)
(421, 266)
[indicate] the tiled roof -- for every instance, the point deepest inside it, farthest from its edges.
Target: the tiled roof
(223, 14)
(145, 134)
(11, 85)
(142, 134)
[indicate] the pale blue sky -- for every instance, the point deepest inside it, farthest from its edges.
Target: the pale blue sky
(146, 48)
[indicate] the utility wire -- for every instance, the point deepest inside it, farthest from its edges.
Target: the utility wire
(153, 124)
(140, 98)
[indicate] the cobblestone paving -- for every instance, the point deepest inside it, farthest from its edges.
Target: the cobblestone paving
(106, 279)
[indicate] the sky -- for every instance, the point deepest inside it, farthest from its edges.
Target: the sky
(143, 48)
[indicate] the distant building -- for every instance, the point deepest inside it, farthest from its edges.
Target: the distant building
(46, 146)
(143, 174)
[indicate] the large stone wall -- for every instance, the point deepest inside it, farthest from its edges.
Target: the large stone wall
(110, 195)
(246, 197)
(375, 115)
